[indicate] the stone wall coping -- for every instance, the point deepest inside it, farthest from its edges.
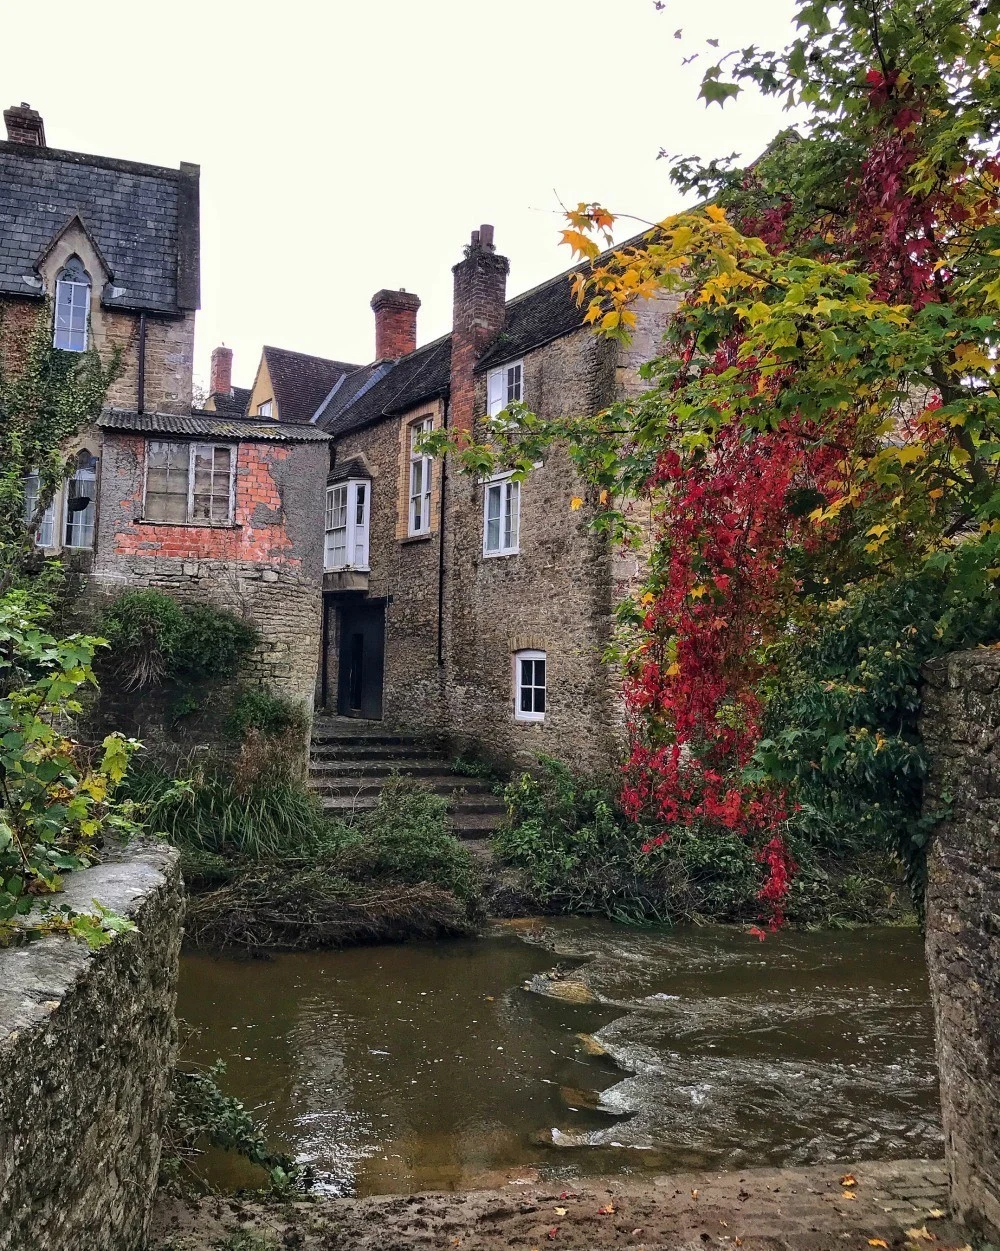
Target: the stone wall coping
(36, 977)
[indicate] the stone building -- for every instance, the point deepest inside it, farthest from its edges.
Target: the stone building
(209, 505)
(480, 611)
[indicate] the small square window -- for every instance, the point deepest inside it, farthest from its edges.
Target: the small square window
(265, 408)
(529, 686)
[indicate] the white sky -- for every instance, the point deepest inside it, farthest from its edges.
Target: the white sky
(349, 145)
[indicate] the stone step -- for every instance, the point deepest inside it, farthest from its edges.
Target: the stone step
(379, 766)
(339, 750)
(475, 825)
(444, 784)
(362, 741)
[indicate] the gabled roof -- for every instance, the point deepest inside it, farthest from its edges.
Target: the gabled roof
(423, 375)
(143, 220)
(201, 424)
(301, 383)
(234, 404)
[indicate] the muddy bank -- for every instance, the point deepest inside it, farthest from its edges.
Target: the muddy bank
(758, 1209)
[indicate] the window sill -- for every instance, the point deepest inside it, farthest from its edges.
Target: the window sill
(190, 525)
(513, 551)
(521, 719)
(418, 538)
(347, 569)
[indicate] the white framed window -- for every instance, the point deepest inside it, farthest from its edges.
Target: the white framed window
(45, 536)
(504, 385)
(80, 503)
(420, 480)
(501, 516)
(529, 686)
(265, 408)
(189, 482)
(347, 512)
(72, 311)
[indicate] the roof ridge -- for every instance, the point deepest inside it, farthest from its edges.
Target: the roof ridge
(37, 153)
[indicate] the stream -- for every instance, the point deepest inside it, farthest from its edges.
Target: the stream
(570, 1047)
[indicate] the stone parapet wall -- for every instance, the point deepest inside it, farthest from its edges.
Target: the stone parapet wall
(87, 1041)
(961, 728)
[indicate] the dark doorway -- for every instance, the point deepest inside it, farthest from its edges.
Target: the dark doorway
(362, 661)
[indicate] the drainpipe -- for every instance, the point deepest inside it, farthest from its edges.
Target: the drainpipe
(140, 399)
(444, 485)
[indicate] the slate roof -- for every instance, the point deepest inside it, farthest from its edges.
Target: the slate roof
(202, 424)
(301, 382)
(423, 375)
(143, 219)
(535, 318)
(236, 404)
(353, 467)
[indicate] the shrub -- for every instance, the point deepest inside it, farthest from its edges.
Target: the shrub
(258, 709)
(153, 637)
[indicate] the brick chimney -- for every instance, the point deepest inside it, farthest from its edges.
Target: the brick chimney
(24, 125)
(222, 371)
(477, 318)
(395, 323)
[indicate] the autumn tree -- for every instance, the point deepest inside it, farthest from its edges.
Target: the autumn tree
(820, 441)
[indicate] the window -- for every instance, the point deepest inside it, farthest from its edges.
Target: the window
(420, 480)
(529, 681)
(347, 526)
(72, 307)
(504, 386)
(81, 502)
(189, 482)
(46, 534)
(265, 408)
(501, 517)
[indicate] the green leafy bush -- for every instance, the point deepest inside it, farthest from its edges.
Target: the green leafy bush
(153, 637)
(256, 708)
(57, 798)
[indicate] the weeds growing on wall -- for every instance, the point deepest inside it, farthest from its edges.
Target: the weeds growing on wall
(154, 638)
(257, 709)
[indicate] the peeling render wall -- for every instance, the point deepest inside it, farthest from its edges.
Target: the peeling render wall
(87, 1041)
(961, 727)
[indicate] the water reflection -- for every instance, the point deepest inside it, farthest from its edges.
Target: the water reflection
(459, 1064)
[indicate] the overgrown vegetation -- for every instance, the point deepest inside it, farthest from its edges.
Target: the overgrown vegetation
(154, 638)
(200, 1115)
(580, 853)
(269, 869)
(257, 709)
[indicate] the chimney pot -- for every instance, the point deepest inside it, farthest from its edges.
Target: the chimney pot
(395, 323)
(24, 125)
(486, 237)
(222, 371)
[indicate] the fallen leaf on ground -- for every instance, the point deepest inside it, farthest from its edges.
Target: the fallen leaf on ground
(848, 1180)
(560, 1211)
(553, 1231)
(936, 1214)
(607, 1210)
(877, 1242)
(694, 1194)
(743, 1196)
(738, 1242)
(849, 1195)
(922, 1233)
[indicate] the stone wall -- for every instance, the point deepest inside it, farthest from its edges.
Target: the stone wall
(87, 1041)
(961, 728)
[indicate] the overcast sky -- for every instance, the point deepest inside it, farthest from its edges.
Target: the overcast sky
(350, 145)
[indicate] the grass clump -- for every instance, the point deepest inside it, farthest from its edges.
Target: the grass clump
(580, 853)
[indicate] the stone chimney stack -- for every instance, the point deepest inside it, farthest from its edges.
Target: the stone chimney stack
(477, 318)
(24, 125)
(395, 323)
(222, 371)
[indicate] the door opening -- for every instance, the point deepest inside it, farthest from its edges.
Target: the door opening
(361, 661)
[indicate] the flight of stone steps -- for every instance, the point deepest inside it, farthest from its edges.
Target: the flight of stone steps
(350, 760)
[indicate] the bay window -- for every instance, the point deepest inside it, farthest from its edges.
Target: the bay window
(347, 512)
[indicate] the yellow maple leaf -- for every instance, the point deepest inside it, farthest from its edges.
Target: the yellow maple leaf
(717, 214)
(877, 1242)
(575, 503)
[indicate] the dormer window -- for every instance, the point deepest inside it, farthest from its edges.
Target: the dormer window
(347, 513)
(265, 408)
(72, 312)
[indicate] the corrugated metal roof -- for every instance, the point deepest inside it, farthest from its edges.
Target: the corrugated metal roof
(211, 425)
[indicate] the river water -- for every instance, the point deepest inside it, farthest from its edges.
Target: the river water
(570, 1047)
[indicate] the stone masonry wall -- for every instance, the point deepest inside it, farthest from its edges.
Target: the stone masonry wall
(87, 1041)
(960, 725)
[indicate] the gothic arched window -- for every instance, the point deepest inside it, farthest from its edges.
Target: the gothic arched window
(81, 502)
(72, 307)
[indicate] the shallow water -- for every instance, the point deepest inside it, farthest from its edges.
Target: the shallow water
(458, 1064)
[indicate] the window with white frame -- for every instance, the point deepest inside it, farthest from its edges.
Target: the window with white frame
(501, 516)
(265, 408)
(529, 686)
(189, 482)
(72, 310)
(420, 480)
(504, 386)
(347, 508)
(80, 507)
(45, 536)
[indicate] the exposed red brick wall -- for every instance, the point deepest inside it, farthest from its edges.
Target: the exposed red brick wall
(477, 318)
(256, 537)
